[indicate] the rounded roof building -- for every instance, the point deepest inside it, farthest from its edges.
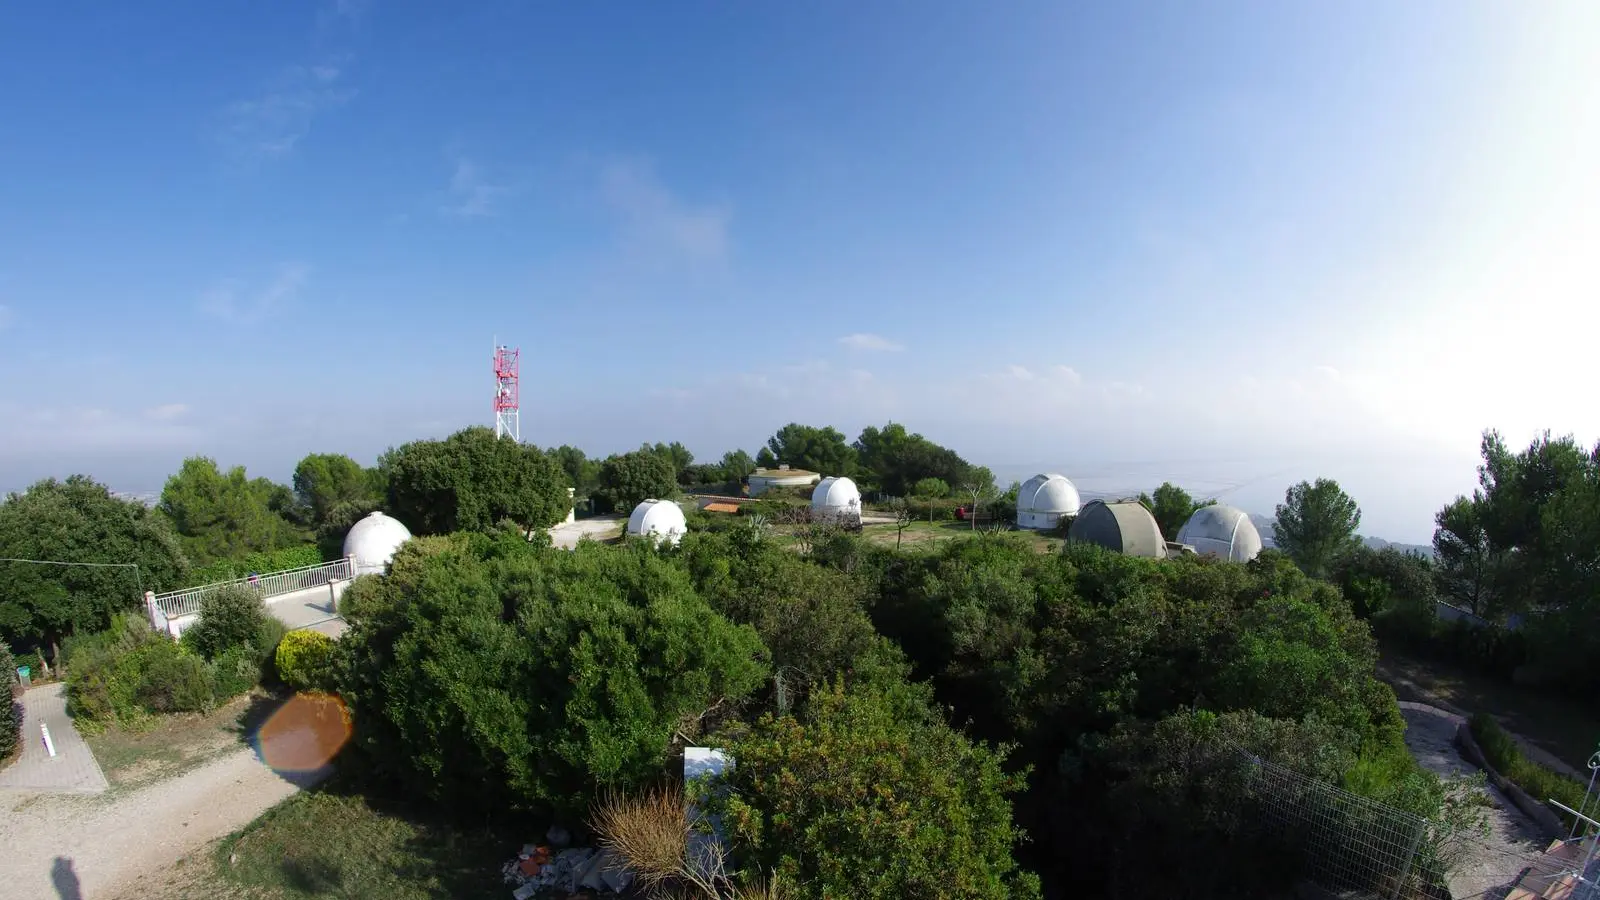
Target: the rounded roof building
(836, 496)
(1044, 499)
(1222, 531)
(661, 520)
(1125, 527)
(373, 540)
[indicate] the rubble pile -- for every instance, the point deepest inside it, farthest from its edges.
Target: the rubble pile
(545, 869)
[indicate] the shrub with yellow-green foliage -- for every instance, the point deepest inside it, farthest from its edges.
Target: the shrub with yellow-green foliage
(305, 660)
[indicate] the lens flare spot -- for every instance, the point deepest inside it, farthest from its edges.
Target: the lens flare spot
(305, 733)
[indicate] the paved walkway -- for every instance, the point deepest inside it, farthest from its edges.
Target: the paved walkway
(1490, 864)
(72, 770)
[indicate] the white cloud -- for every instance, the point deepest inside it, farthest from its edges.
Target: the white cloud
(870, 342)
(471, 194)
(166, 412)
(233, 301)
(656, 221)
(271, 124)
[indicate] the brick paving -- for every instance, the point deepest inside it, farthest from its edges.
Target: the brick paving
(73, 770)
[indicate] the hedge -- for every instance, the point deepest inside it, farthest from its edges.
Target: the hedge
(1502, 752)
(261, 563)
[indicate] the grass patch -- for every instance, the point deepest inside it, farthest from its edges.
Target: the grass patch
(151, 747)
(1564, 729)
(927, 534)
(1504, 754)
(328, 843)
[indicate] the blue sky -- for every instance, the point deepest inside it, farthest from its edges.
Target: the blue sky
(1233, 246)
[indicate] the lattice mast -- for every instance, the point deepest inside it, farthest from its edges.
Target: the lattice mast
(507, 403)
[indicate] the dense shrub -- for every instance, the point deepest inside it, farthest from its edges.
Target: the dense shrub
(261, 563)
(10, 705)
(1502, 752)
(305, 660)
(853, 800)
(129, 671)
(502, 674)
(231, 616)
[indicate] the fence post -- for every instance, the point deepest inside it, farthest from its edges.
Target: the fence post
(1411, 856)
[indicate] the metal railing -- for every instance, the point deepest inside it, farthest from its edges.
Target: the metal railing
(275, 584)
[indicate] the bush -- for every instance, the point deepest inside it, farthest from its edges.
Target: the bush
(494, 673)
(170, 679)
(1502, 752)
(856, 801)
(231, 616)
(10, 708)
(305, 660)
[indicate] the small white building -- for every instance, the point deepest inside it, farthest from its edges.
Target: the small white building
(1044, 499)
(661, 520)
(836, 500)
(1221, 531)
(372, 543)
(763, 480)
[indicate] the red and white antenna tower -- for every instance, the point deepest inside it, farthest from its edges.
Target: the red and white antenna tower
(507, 406)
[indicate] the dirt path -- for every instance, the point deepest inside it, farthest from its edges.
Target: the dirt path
(1490, 864)
(55, 844)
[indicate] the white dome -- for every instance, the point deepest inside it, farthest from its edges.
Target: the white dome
(661, 519)
(1044, 499)
(1221, 531)
(834, 494)
(373, 541)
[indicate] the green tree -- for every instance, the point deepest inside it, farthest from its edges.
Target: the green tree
(628, 479)
(1466, 558)
(894, 460)
(1172, 506)
(323, 481)
(219, 515)
(674, 453)
(1316, 523)
(853, 800)
(930, 489)
(1378, 580)
(737, 465)
(474, 481)
(495, 674)
(78, 521)
(813, 449)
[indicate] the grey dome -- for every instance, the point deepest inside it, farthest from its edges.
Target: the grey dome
(1221, 531)
(1124, 527)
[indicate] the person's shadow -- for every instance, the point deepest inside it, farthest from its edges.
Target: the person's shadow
(65, 879)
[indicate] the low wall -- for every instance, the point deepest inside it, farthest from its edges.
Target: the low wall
(1543, 815)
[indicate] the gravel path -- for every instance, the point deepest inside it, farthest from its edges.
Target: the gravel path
(55, 844)
(1491, 864)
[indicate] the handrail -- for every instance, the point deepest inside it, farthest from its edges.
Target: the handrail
(174, 604)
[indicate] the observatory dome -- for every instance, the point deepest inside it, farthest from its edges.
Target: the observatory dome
(662, 520)
(373, 542)
(836, 499)
(1222, 531)
(1124, 527)
(1044, 499)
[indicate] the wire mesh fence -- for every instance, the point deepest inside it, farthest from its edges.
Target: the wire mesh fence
(1348, 844)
